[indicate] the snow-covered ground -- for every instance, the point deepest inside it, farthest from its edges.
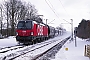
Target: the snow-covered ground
(73, 53)
(10, 41)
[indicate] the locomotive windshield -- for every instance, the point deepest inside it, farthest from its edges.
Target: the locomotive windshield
(24, 25)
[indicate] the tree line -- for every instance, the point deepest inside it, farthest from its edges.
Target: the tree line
(83, 29)
(14, 10)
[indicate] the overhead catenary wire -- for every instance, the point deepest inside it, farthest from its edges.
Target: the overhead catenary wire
(63, 7)
(52, 8)
(57, 13)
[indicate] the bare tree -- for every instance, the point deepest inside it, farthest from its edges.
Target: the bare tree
(16, 10)
(6, 16)
(31, 11)
(12, 8)
(22, 13)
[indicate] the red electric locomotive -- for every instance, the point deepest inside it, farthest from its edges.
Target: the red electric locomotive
(29, 31)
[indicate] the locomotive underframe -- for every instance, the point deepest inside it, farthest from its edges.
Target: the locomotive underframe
(30, 39)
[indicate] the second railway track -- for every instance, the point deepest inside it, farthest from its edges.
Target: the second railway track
(14, 54)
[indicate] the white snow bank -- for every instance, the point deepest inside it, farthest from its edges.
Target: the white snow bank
(73, 53)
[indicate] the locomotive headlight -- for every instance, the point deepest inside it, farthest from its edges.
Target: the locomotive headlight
(16, 33)
(31, 33)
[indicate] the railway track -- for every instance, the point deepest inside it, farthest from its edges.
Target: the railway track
(50, 52)
(6, 49)
(15, 52)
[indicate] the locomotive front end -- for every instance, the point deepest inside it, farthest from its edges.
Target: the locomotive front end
(24, 31)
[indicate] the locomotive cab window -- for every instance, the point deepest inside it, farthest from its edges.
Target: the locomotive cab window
(24, 25)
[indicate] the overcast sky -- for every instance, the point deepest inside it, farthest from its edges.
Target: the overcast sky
(63, 10)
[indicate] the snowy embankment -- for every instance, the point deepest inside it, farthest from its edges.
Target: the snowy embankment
(73, 53)
(10, 41)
